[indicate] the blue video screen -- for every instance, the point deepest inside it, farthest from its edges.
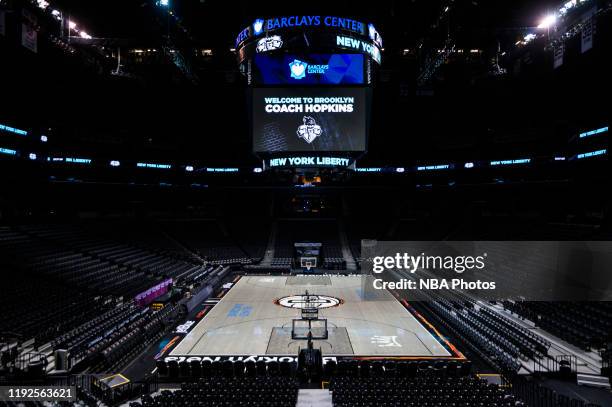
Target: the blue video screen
(310, 69)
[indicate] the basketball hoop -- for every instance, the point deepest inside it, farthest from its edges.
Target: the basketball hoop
(308, 262)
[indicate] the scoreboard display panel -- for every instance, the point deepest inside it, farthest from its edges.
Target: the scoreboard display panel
(311, 69)
(309, 119)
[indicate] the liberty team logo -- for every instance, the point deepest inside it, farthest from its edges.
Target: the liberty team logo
(298, 69)
(310, 130)
(269, 43)
(374, 35)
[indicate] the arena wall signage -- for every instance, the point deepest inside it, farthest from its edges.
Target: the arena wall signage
(292, 359)
(308, 161)
(359, 45)
(323, 33)
(245, 358)
(153, 293)
(261, 26)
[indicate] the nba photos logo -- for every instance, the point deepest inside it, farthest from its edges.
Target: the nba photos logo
(310, 130)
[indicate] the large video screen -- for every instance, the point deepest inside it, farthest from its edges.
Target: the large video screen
(309, 119)
(311, 69)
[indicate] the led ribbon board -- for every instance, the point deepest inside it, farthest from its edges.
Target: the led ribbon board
(261, 26)
(324, 32)
(323, 41)
(308, 161)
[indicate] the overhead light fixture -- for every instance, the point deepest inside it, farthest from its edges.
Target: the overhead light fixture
(548, 21)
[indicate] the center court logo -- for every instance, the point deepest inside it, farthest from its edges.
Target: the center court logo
(310, 130)
(298, 69)
(310, 301)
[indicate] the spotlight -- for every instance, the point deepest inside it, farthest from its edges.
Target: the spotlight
(548, 21)
(163, 3)
(32, 156)
(115, 163)
(189, 168)
(44, 138)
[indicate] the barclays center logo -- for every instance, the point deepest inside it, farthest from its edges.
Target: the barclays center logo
(258, 26)
(298, 69)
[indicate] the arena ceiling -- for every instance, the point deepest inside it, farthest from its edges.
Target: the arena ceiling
(159, 114)
(215, 22)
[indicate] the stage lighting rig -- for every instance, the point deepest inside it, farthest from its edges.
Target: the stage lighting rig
(436, 57)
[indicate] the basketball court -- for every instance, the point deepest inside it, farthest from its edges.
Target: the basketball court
(256, 317)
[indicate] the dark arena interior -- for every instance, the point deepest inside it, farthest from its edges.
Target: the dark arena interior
(313, 204)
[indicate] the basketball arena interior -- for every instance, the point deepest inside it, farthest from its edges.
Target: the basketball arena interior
(313, 204)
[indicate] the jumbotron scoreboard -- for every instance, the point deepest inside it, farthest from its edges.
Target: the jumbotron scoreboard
(310, 88)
